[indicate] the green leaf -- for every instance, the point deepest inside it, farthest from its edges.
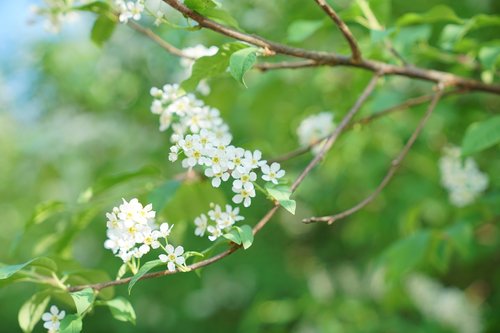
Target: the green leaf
(207, 67)
(106, 183)
(8, 271)
(405, 254)
(143, 270)
(302, 29)
(441, 252)
(83, 299)
(246, 235)
(103, 28)
(94, 7)
(233, 235)
(44, 211)
(121, 309)
(379, 35)
(241, 62)
(489, 56)
(480, 136)
(436, 14)
(200, 5)
(160, 196)
(282, 194)
(71, 324)
(221, 16)
(190, 254)
(461, 236)
(31, 311)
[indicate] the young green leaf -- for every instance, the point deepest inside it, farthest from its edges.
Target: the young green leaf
(438, 13)
(200, 5)
(210, 66)
(480, 136)
(83, 299)
(302, 29)
(8, 271)
(143, 270)
(233, 235)
(31, 311)
(71, 324)
(160, 196)
(282, 195)
(94, 7)
(121, 309)
(103, 28)
(241, 62)
(246, 235)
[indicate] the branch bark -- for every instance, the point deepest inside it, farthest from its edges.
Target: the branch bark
(338, 130)
(396, 163)
(356, 52)
(331, 59)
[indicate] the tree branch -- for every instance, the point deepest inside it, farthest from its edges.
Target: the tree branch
(157, 39)
(363, 121)
(335, 134)
(331, 59)
(396, 163)
(192, 267)
(356, 52)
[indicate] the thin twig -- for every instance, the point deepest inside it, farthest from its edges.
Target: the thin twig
(99, 286)
(157, 39)
(331, 59)
(356, 52)
(363, 121)
(396, 163)
(335, 134)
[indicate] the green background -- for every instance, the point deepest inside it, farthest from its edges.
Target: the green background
(83, 117)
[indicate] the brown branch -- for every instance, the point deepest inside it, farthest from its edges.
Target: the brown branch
(99, 286)
(331, 59)
(335, 134)
(157, 39)
(363, 121)
(356, 52)
(396, 163)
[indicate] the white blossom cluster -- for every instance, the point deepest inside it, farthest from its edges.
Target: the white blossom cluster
(129, 10)
(52, 319)
(462, 178)
(218, 221)
(55, 13)
(314, 128)
(132, 232)
(201, 138)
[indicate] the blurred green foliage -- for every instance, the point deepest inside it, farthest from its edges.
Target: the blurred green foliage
(89, 139)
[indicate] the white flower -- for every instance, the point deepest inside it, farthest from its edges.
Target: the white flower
(225, 221)
(173, 257)
(241, 179)
(216, 177)
(131, 230)
(244, 194)
(314, 128)
(214, 231)
(233, 212)
(462, 179)
(164, 231)
(272, 173)
(201, 225)
(130, 10)
(52, 319)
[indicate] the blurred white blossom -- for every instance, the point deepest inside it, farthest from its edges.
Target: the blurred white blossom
(448, 306)
(461, 177)
(314, 128)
